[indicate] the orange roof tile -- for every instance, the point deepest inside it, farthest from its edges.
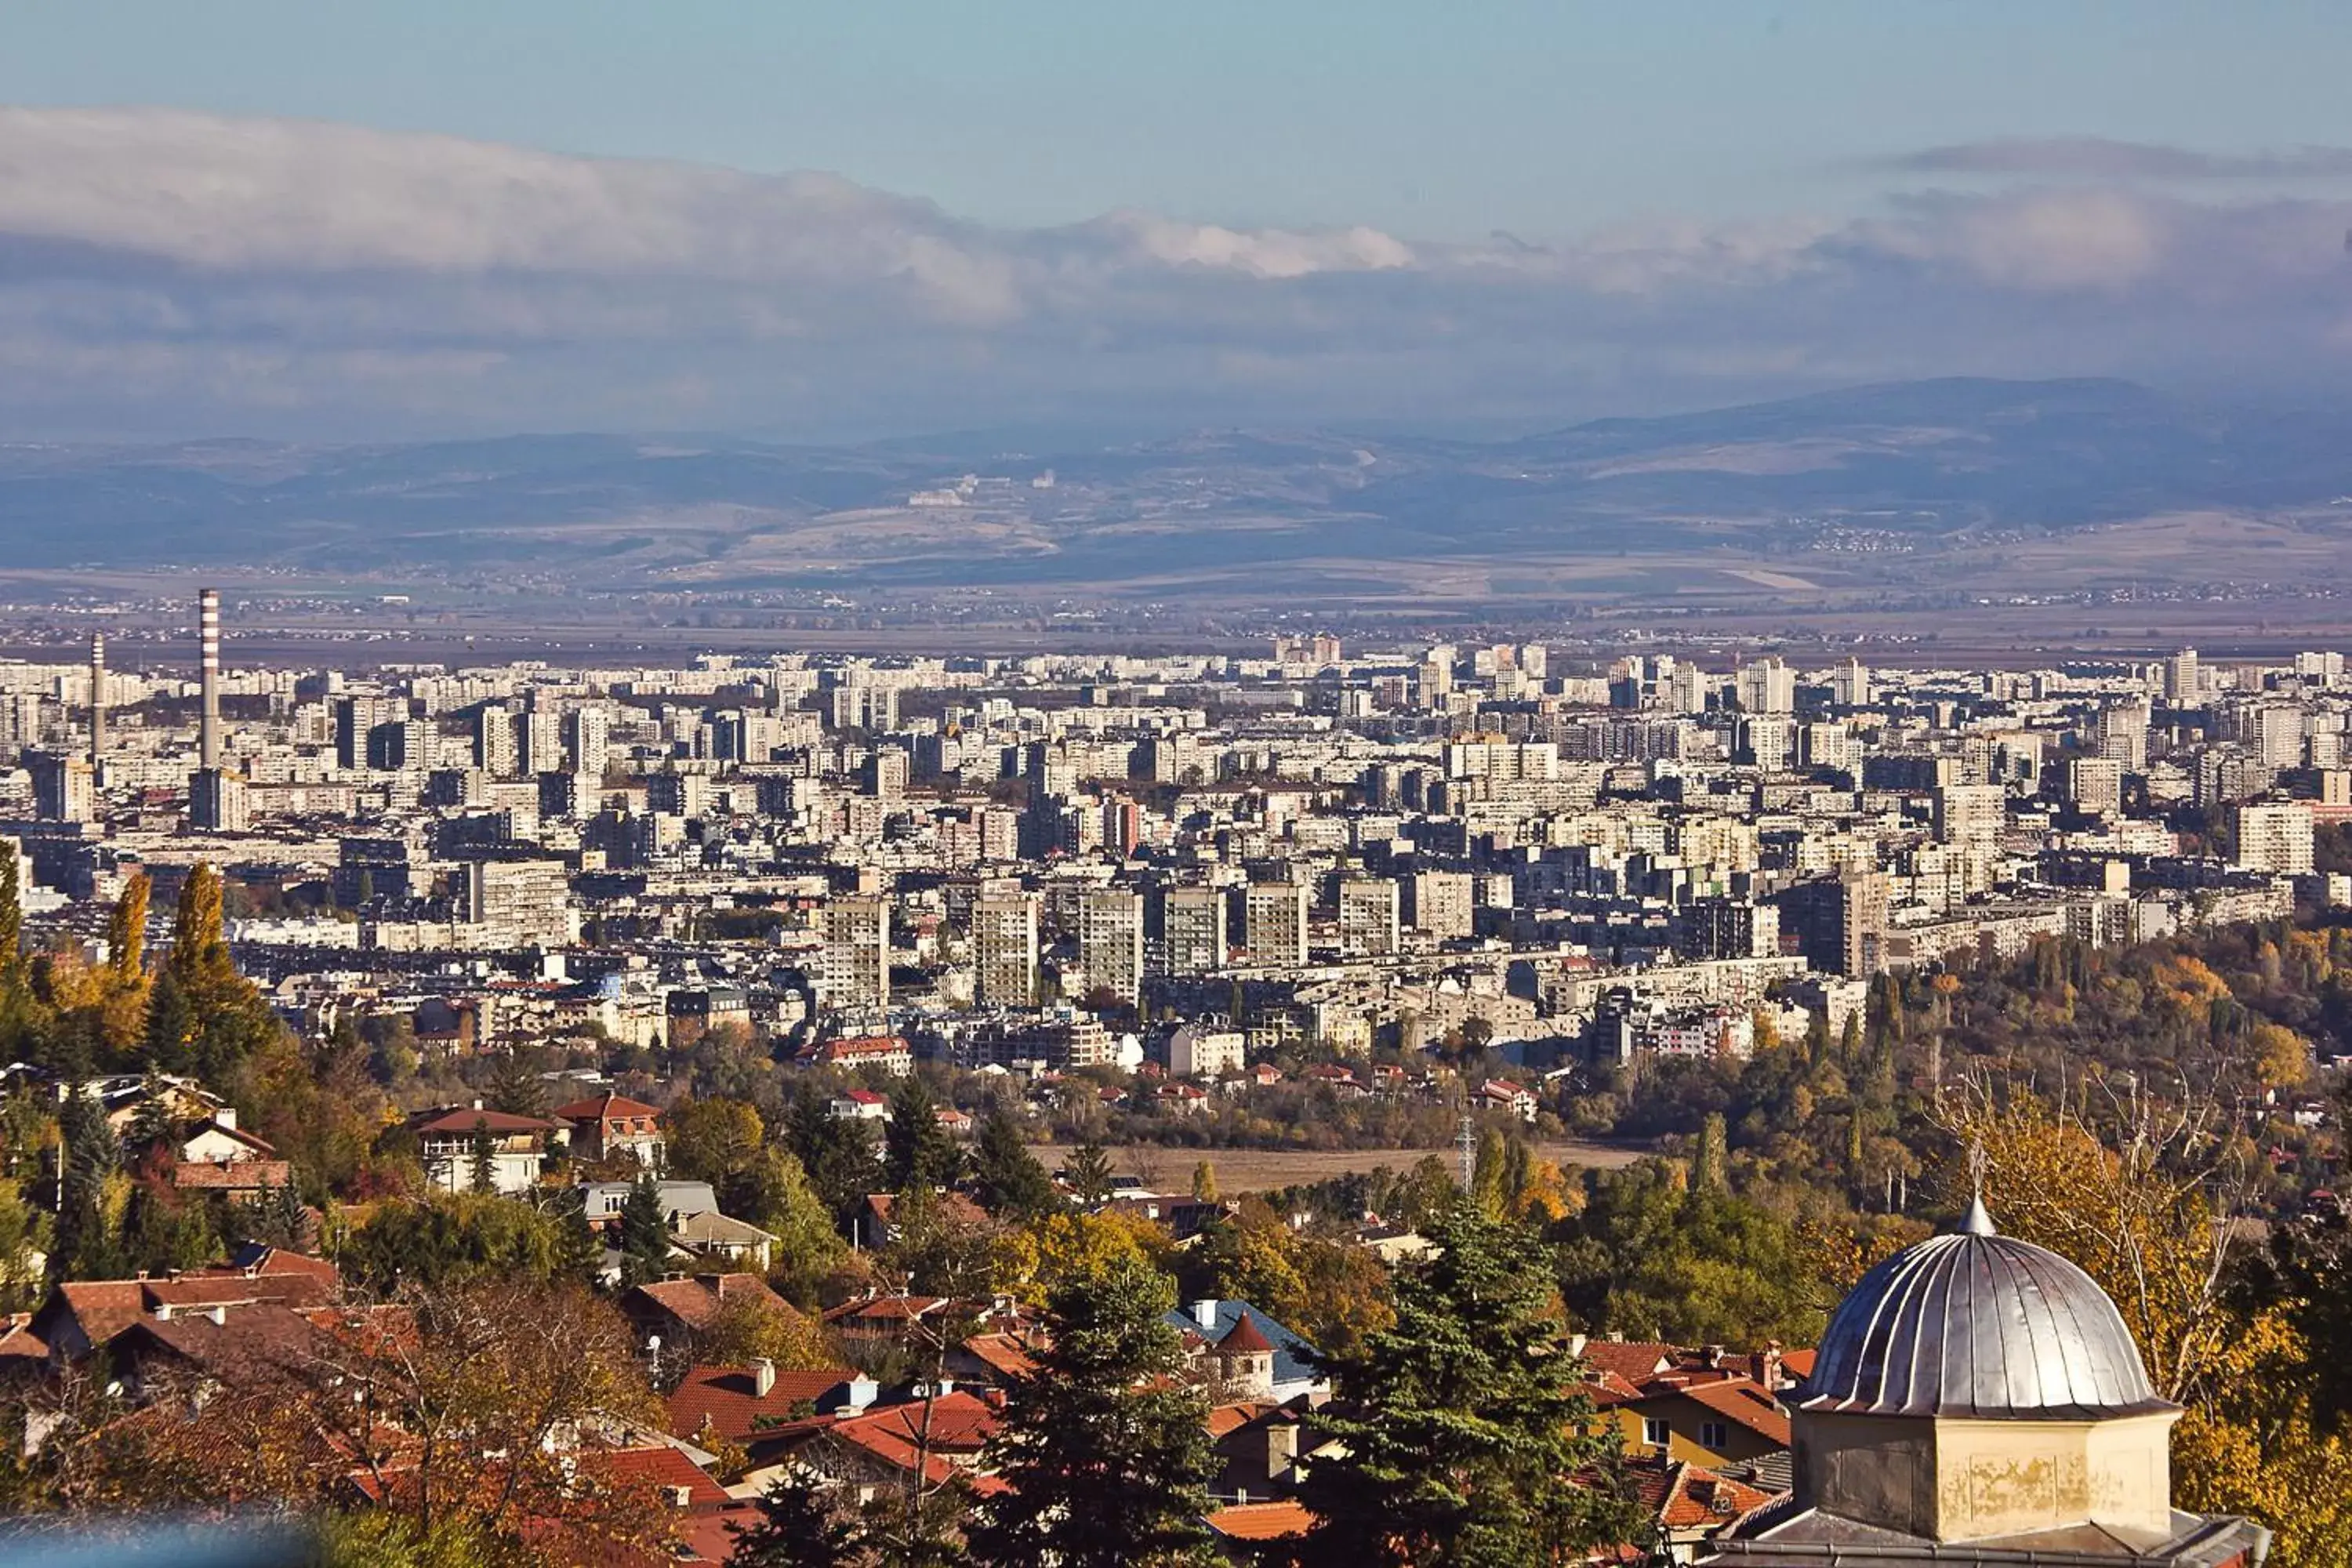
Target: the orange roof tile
(1261, 1520)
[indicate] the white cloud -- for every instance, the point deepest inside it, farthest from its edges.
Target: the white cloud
(162, 271)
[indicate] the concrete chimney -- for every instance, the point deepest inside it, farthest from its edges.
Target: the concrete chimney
(208, 645)
(96, 701)
(763, 1377)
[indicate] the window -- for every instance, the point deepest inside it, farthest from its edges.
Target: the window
(1713, 1434)
(1654, 1431)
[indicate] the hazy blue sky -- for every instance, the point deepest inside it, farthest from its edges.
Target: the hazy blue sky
(1438, 120)
(1492, 208)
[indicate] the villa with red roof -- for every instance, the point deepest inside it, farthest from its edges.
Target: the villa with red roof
(605, 1125)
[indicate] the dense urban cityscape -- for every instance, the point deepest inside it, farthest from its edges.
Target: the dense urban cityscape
(1240, 785)
(851, 1021)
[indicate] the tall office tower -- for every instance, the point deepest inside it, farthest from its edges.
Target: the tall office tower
(1190, 930)
(1370, 917)
(586, 733)
(1005, 951)
(63, 790)
(857, 952)
(494, 741)
(97, 701)
(1274, 923)
(1110, 941)
(2183, 684)
(208, 677)
(1440, 904)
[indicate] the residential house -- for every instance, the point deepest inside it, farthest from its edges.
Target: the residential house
(859, 1105)
(667, 1312)
(882, 1053)
(737, 1404)
(454, 1141)
(214, 1156)
(1265, 1360)
(1689, 1505)
(1706, 1407)
(1501, 1094)
(610, 1125)
(83, 1315)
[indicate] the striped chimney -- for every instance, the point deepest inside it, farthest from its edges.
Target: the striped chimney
(208, 639)
(96, 701)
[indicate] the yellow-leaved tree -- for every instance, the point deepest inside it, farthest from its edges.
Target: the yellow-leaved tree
(2138, 1189)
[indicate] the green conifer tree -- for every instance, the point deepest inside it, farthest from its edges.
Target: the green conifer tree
(1458, 1425)
(1104, 1457)
(1006, 1178)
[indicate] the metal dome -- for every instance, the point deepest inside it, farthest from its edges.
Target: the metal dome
(1980, 1324)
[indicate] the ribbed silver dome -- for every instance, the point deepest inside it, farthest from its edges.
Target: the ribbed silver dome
(1976, 1323)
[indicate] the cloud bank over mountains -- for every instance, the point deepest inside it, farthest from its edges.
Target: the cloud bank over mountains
(164, 273)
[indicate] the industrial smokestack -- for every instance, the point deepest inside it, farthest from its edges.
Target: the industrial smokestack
(96, 701)
(209, 636)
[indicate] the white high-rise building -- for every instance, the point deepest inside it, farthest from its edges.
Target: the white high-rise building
(858, 953)
(1004, 950)
(2274, 835)
(1110, 940)
(1274, 923)
(1370, 917)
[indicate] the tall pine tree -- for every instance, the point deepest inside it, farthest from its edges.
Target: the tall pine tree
(1006, 1177)
(917, 1151)
(1460, 1426)
(645, 1234)
(1104, 1454)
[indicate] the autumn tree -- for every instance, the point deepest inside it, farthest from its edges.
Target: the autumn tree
(202, 1015)
(1103, 1453)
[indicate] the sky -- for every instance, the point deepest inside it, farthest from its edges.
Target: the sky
(823, 222)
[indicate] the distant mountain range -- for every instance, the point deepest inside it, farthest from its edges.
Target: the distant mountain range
(1928, 465)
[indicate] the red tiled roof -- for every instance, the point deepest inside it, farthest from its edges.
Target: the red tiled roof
(465, 1119)
(726, 1398)
(664, 1467)
(599, 1106)
(237, 1175)
(1003, 1355)
(1261, 1520)
(1246, 1338)
(695, 1301)
(1635, 1361)
(1745, 1403)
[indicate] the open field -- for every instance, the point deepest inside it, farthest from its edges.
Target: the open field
(1254, 1170)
